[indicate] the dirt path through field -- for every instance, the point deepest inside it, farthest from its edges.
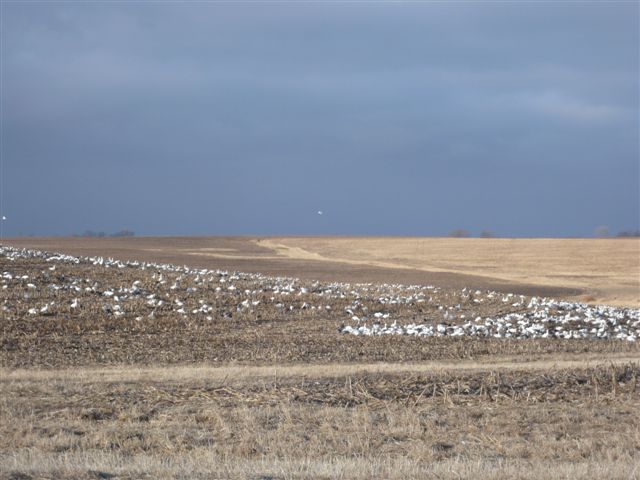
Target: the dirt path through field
(236, 373)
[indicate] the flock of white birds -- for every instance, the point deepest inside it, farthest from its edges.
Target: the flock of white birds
(568, 320)
(366, 309)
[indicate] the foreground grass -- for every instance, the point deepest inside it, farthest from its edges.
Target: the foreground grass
(204, 465)
(527, 423)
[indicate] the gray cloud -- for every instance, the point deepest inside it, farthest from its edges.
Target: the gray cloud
(392, 118)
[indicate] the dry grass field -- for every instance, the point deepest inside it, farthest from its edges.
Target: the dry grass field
(600, 270)
(209, 423)
(133, 370)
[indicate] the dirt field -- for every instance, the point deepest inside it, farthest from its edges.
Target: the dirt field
(130, 370)
(589, 270)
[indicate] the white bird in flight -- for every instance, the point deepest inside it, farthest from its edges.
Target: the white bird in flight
(319, 212)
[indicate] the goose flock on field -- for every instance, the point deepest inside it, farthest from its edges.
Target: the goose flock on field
(363, 309)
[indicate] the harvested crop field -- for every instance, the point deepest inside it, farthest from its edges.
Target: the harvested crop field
(143, 369)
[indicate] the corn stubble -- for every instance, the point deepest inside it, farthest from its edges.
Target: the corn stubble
(480, 422)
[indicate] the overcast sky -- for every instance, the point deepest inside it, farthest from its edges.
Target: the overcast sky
(391, 118)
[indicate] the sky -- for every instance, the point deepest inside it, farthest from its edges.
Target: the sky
(391, 118)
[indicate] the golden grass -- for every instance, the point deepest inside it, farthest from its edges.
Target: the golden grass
(202, 464)
(577, 423)
(607, 270)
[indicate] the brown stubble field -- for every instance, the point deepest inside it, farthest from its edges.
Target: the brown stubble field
(267, 392)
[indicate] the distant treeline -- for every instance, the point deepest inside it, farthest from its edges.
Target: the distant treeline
(462, 233)
(629, 233)
(459, 233)
(91, 233)
(601, 232)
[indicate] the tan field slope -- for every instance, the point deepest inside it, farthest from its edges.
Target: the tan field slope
(604, 270)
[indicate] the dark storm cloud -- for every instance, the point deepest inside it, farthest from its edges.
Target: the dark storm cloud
(200, 118)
